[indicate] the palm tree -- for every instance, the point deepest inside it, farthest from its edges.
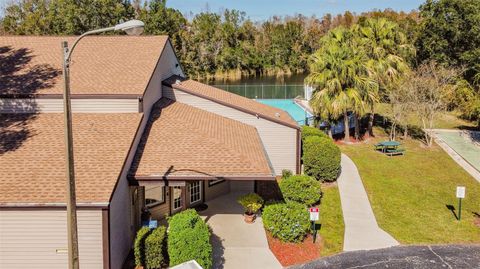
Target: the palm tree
(338, 72)
(388, 50)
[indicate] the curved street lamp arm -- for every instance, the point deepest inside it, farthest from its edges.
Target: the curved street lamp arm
(69, 54)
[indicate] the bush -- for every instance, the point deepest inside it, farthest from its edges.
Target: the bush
(139, 246)
(289, 222)
(251, 202)
(302, 189)
(321, 158)
(308, 131)
(286, 173)
(154, 248)
(189, 239)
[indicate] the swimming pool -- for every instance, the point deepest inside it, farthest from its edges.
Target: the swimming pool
(288, 105)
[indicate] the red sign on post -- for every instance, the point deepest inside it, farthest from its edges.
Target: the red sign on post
(313, 213)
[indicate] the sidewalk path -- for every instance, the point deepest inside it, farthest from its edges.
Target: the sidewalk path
(361, 228)
(236, 244)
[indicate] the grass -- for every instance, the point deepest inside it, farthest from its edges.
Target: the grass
(331, 217)
(446, 120)
(410, 194)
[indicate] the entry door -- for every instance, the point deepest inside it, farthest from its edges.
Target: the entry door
(195, 192)
(177, 201)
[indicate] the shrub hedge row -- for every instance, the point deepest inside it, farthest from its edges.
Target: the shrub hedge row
(302, 189)
(189, 239)
(139, 246)
(308, 131)
(154, 244)
(288, 222)
(321, 158)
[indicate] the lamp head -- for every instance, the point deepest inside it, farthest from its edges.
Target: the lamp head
(132, 27)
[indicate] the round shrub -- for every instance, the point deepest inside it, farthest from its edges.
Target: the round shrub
(289, 222)
(302, 189)
(308, 131)
(189, 239)
(321, 158)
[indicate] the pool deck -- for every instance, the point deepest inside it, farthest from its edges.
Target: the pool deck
(466, 154)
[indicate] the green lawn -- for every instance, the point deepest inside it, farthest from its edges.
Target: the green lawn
(409, 194)
(332, 229)
(447, 120)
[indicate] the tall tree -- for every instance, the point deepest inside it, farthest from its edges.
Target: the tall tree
(387, 50)
(338, 72)
(450, 34)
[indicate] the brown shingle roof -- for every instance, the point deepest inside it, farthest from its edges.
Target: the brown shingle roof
(32, 156)
(232, 100)
(186, 142)
(100, 64)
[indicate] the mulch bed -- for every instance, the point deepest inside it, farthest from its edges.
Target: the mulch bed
(295, 253)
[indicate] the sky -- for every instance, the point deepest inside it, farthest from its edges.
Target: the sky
(264, 9)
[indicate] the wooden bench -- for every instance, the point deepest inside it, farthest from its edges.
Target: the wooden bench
(393, 152)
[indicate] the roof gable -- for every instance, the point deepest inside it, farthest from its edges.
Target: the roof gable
(100, 64)
(231, 100)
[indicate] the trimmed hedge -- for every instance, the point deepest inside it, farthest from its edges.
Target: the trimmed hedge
(321, 158)
(308, 131)
(286, 173)
(302, 189)
(154, 248)
(139, 246)
(289, 222)
(189, 239)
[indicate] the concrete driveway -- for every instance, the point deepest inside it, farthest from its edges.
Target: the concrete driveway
(237, 244)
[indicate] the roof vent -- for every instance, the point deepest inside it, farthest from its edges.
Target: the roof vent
(277, 114)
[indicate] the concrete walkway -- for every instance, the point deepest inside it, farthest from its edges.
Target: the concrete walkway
(237, 244)
(361, 228)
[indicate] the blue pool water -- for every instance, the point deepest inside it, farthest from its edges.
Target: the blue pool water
(288, 105)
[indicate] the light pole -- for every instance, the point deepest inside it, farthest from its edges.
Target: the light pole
(133, 27)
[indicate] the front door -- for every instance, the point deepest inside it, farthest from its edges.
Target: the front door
(177, 201)
(195, 192)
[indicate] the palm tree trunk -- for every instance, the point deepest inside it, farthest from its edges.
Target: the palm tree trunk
(371, 117)
(357, 127)
(346, 126)
(330, 134)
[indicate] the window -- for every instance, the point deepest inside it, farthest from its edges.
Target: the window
(154, 195)
(215, 182)
(195, 192)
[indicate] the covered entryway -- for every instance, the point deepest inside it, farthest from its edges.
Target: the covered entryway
(237, 244)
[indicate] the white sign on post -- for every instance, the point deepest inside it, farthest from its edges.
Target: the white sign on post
(460, 192)
(313, 213)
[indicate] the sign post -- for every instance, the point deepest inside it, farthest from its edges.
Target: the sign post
(460, 196)
(314, 216)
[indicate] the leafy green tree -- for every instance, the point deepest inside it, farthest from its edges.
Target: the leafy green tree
(450, 34)
(386, 49)
(338, 72)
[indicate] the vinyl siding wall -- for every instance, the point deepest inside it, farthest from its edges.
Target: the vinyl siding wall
(47, 105)
(279, 141)
(31, 238)
(212, 192)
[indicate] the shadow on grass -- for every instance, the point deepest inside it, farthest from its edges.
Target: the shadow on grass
(452, 209)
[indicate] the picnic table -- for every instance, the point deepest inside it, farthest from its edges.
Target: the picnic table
(390, 148)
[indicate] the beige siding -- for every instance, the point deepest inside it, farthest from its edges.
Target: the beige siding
(160, 211)
(31, 238)
(46, 105)
(167, 66)
(280, 141)
(212, 192)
